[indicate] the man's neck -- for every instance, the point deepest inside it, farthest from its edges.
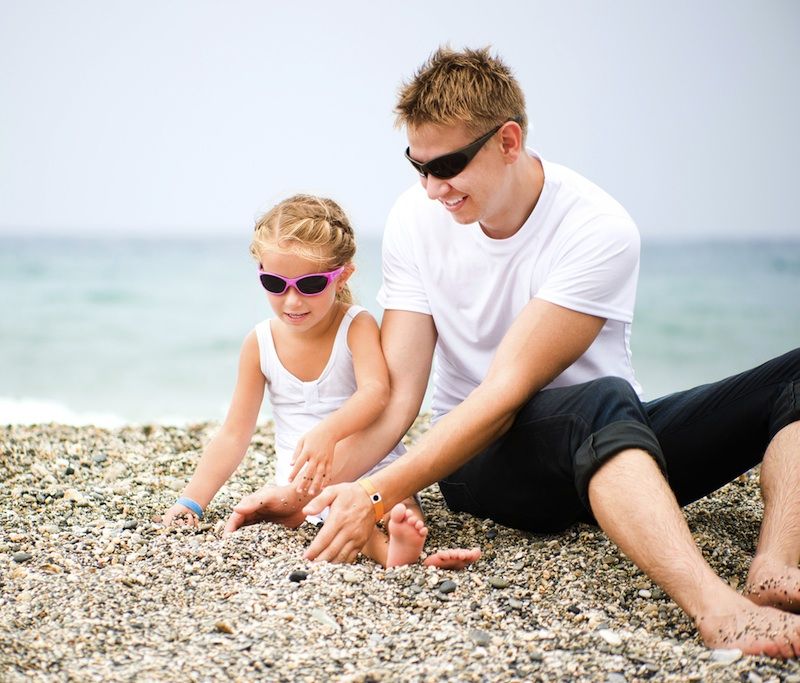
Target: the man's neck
(522, 192)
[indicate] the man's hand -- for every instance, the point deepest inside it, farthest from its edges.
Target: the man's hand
(278, 504)
(350, 523)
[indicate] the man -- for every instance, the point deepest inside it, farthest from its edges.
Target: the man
(519, 277)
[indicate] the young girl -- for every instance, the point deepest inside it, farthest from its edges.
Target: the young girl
(321, 361)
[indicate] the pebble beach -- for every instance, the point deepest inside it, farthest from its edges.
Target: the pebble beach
(92, 589)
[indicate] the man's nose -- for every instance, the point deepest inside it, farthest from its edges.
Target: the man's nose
(435, 187)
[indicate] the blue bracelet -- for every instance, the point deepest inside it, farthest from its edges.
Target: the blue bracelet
(194, 507)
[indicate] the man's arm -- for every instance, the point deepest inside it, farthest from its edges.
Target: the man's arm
(543, 341)
(408, 340)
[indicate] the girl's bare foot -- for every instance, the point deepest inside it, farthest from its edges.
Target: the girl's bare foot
(454, 558)
(406, 536)
(774, 584)
(753, 630)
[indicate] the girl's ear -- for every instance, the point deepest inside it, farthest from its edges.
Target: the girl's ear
(341, 281)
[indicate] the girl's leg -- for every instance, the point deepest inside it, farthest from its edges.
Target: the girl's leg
(407, 533)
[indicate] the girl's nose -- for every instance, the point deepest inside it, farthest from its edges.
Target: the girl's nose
(293, 297)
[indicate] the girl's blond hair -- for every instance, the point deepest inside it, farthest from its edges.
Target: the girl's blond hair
(312, 227)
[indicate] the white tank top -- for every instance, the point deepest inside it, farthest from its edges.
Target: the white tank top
(298, 406)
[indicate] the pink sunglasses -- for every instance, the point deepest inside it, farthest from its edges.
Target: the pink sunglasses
(308, 285)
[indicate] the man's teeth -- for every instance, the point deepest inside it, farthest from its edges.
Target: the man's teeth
(453, 202)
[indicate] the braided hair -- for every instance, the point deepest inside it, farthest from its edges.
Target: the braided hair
(312, 227)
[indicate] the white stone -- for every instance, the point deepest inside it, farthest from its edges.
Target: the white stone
(611, 637)
(726, 656)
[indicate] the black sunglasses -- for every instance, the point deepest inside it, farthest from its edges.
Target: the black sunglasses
(450, 165)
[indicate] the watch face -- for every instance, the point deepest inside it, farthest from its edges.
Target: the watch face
(376, 497)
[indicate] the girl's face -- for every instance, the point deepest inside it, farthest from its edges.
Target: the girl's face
(299, 312)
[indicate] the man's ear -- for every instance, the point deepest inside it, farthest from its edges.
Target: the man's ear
(511, 141)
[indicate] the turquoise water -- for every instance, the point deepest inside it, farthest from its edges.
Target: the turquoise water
(116, 330)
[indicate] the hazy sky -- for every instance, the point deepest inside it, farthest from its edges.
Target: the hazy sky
(186, 116)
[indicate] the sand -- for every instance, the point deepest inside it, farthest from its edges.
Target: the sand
(91, 589)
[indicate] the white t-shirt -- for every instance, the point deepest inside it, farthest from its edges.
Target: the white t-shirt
(578, 249)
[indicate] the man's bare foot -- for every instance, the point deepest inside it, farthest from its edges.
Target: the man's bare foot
(753, 630)
(454, 558)
(276, 504)
(406, 536)
(772, 583)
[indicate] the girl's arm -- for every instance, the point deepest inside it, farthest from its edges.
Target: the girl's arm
(227, 448)
(358, 412)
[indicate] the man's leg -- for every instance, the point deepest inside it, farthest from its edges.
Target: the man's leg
(712, 433)
(774, 577)
(635, 507)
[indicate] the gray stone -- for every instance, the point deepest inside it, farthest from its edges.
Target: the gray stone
(480, 637)
(498, 582)
(447, 586)
(21, 556)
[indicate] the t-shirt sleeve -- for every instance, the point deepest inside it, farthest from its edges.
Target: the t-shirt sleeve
(402, 287)
(596, 269)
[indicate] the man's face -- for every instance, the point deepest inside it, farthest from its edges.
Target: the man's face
(472, 195)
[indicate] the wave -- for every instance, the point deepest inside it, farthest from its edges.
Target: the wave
(32, 411)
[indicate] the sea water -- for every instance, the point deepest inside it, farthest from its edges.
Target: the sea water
(114, 330)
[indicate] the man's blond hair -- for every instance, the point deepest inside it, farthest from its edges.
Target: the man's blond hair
(471, 87)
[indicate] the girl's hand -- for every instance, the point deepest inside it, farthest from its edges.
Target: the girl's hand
(180, 515)
(312, 462)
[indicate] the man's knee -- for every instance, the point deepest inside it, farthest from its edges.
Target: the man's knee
(615, 400)
(621, 426)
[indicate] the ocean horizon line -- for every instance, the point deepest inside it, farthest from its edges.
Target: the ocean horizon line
(203, 235)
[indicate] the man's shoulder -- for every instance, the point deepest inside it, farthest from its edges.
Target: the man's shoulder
(584, 198)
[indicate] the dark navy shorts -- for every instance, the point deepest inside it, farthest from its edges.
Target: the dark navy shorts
(536, 477)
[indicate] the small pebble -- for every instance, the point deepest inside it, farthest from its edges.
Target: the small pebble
(350, 577)
(611, 637)
(99, 458)
(223, 627)
(298, 575)
(480, 637)
(726, 656)
(325, 619)
(498, 582)
(644, 593)
(21, 556)
(130, 524)
(447, 586)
